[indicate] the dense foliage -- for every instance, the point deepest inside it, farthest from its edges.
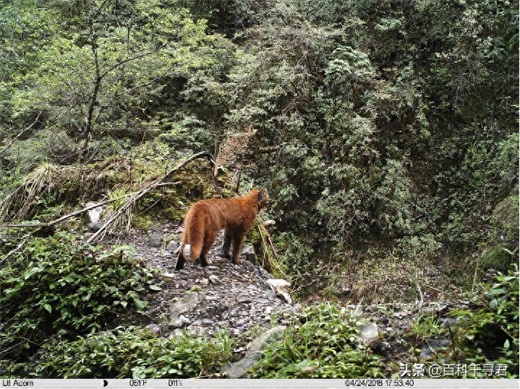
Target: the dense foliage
(134, 352)
(59, 285)
(325, 345)
(492, 329)
(487, 334)
(386, 133)
(367, 120)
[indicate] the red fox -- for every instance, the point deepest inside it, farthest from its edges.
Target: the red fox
(207, 217)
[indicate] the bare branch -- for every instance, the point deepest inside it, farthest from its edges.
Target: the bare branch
(194, 156)
(21, 133)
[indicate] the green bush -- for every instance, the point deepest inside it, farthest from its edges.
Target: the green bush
(485, 334)
(490, 334)
(326, 345)
(61, 285)
(134, 352)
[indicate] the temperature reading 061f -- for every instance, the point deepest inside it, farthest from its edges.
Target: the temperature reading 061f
(175, 383)
(137, 382)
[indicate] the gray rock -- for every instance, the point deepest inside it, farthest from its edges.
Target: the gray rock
(240, 368)
(213, 279)
(429, 351)
(155, 240)
(249, 265)
(249, 253)
(156, 329)
(207, 322)
(384, 348)
(94, 214)
(243, 298)
(93, 227)
(181, 322)
(166, 254)
(280, 287)
(449, 322)
(369, 334)
(172, 246)
(186, 304)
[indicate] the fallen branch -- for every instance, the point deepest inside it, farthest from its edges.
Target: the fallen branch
(25, 238)
(194, 156)
(120, 211)
(68, 216)
(420, 294)
(135, 196)
(155, 184)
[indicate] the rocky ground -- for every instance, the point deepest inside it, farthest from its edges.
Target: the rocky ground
(241, 298)
(238, 298)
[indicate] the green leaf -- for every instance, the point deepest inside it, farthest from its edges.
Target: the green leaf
(155, 288)
(47, 307)
(140, 304)
(493, 292)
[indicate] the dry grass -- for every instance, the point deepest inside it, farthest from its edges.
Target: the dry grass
(49, 185)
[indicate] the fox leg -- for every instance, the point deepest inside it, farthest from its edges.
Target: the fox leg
(227, 244)
(208, 242)
(238, 241)
(180, 262)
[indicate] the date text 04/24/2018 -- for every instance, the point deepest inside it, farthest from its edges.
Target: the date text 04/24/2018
(374, 382)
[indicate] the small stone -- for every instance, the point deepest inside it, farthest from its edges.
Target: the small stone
(449, 322)
(207, 322)
(155, 239)
(242, 298)
(181, 322)
(242, 321)
(94, 214)
(249, 253)
(249, 265)
(154, 328)
(172, 246)
(369, 333)
(213, 279)
(307, 370)
(93, 227)
(280, 287)
(384, 348)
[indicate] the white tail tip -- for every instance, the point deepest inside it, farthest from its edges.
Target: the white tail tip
(186, 251)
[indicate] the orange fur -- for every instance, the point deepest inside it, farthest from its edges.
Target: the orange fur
(207, 217)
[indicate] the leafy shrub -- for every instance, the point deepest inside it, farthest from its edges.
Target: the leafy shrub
(490, 334)
(61, 285)
(134, 352)
(326, 345)
(487, 334)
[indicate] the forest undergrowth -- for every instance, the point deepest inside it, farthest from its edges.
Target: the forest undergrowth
(385, 134)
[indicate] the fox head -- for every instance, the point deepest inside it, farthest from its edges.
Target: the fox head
(263, 199)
